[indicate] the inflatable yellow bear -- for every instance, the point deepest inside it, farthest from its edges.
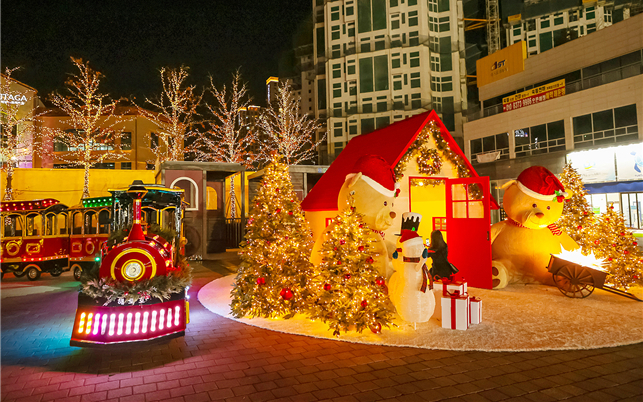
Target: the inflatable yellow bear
(521, 244)
(372, 188)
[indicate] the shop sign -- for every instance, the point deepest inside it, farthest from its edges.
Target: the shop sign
(501, 64)
(629, 162)
(594, 166)
(534, 96)
(13, 99)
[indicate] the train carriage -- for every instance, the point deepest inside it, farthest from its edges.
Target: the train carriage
(35, 238)
(143, 256)
(90, 227)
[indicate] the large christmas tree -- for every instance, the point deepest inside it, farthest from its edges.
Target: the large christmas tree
(577, 218)
(616, 244)
(347, 291)
(274, 271)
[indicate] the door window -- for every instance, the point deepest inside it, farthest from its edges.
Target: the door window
(34, 225)
(464, 205)
(12, 225)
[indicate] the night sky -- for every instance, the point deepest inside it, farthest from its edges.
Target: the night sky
(129, 41)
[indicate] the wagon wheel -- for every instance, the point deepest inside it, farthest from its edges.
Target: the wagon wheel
(574, 281)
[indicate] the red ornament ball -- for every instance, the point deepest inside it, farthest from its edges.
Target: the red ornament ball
(360, 248)
(327, 286)
(379, 281)
(611, 206)
(342, 242)
(347, 276)
(289, 212)
(609, 259)
(278, 210)
(286, 294)
(261, 281)
(376, 329)
(277, 189)
(369, 260)
(364, 303)
(339, 262)
(585, 213)
(579, 227)
(635, 244)
(622, 233)
(635, 277)
(597, 242)
(625, 252)
(613, 245)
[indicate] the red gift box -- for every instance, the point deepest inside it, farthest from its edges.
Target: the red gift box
(455, 311)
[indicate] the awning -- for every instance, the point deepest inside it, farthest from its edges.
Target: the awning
(614, 187)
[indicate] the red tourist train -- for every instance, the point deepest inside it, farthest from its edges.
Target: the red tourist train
(139, 292)
(47, 236)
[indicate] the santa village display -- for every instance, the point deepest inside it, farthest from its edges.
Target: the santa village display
(357, 275)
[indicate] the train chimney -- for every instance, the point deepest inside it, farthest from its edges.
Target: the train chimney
(137, 191)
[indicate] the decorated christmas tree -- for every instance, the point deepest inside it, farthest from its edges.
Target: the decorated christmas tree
(577, 218)
(614, 243)
(347, 291)
(274, 271)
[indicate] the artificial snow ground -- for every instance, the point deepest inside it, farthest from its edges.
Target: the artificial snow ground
(517, 318)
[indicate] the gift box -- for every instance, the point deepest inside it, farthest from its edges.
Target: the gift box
(475, 310)
(451, 286)
(455, 311)
(437, 293)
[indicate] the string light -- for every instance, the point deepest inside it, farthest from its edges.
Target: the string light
(274, 270)
(175, 112)
(288, 133)
(17, 130)
(93, 120)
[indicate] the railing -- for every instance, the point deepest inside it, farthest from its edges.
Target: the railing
(234, 232)
(504, 154)
(540, 147)
(575, 86)
(606, 137)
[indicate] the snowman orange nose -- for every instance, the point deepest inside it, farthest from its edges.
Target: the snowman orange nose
(539, 215)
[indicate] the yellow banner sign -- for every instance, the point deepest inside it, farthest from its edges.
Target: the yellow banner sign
(533, 96)
(501, 64)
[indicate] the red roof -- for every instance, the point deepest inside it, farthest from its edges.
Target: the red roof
(390, 143)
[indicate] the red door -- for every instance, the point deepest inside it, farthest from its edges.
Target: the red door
(468, 226)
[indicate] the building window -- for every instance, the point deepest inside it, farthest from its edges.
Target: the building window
(60, 146)
(335, 32)
(393, 3)
(397, 82)
(605, 127)
(371, 15)
(517, 30)
(334, 14)
(492, 143)
(337, 109)
(413, 3)
(337, 129)
(149, 166)
(351, 29)
(395, 60)
(154, 140)
(433, 24)
(435, 63)
(337, 70)
(190, 192)
(591, 28)
(416, 101)
(546, 41)
(414, 38)
(415, 59)
(126, 165)
(126, 141)
(382, 122)
(589, 13)
(444, 24)
(540, 139)
(380, 43)
(544, 22)
(413, 17)
(338, 147)
(350, 11)
(106, 165)
(558, 19)
(368, 125)
(336, 51)
(337, 90)
(415, 80)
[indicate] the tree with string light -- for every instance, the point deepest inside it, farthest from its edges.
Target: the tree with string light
(228, 139)
(17, 132)
(614, 243)
(577, 218)
(272, 280)
(93, 134)
(174, 115)
(288, 133)
(347, 291)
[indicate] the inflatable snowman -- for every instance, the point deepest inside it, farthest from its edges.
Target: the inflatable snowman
(409, 288)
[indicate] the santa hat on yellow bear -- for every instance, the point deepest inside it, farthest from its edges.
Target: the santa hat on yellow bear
(377, 173)
(541, 184)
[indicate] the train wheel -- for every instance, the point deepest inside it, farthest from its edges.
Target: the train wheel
(19, 274)
(77, 270)
(33, 273)
(56, 272)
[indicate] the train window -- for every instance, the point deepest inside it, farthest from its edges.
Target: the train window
(34, 225)
(62, 224)
(12, 225)
(150, 216)
(169, 218)
(91, 222)
(103, 222)
(77, 223)
(50, 224)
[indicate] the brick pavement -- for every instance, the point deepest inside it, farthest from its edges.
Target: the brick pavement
(222, 360)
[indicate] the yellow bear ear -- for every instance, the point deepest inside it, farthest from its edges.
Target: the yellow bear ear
(507, 184)
(353, 178)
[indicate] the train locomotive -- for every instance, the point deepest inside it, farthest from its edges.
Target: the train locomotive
(121, 303)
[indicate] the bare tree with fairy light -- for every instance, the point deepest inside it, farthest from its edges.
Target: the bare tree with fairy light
(17, 129)
(227, 140)
(175, 112)
(288, 133)
(93, 124)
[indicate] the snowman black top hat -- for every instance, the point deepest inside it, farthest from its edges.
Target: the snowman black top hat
(410, 221)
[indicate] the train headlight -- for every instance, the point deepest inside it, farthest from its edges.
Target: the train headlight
(132, 270)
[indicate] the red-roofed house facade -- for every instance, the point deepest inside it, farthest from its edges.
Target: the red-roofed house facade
(459, 207)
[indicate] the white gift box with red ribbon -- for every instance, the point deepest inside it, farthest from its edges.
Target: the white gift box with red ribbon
(455, 311)
(475, 310)
(449, 286)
